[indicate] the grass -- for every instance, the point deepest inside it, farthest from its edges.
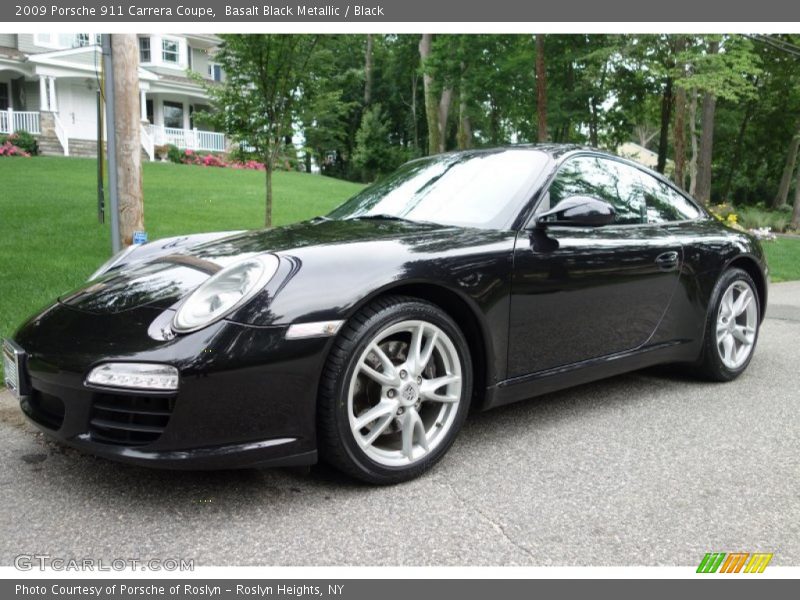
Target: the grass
(783, 257)
(50, 240)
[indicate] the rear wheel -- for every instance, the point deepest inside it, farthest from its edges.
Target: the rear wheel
(732, 327)
(394, 392)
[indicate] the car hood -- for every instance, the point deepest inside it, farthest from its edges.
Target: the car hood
(166, 278)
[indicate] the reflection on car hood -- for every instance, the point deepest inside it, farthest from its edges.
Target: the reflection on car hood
(166, 278)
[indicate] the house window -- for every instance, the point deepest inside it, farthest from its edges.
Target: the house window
(214, 71)
(173, 114)
(86, 39)
(144, 49)
(170, 51)
(59, 41)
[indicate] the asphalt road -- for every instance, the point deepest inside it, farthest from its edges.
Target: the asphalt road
(650, 468)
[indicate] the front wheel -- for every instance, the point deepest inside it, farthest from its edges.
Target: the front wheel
(732, 327)
(394, 392)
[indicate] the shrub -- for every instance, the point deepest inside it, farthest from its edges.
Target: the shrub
(753, 217)
(25, 141)
(174, 154)
(9, 149)
(161, 151)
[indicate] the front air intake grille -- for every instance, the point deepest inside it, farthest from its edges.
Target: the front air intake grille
(45, 409)
(129, 420)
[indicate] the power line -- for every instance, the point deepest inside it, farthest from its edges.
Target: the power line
(776, 43)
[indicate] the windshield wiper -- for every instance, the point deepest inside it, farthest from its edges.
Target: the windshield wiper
(382, 217)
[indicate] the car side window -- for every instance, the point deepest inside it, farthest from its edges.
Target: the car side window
(609, 180)
(663, 204)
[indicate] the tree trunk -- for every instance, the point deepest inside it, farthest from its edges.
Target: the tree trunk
(693, 135)
(706, 152)
(666, 116)
(679, 124)
(464, 136)
(541, 89)
(268, 174)
(431, 108)
(368, 70)
(796, 211)
(706, 140)
(737, 150)
(127, 125)
(445, 102)
(788, 169)
(414, 83)
(679, 137)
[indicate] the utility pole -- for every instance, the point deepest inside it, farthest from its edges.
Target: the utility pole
(111, 143)
(124, 137)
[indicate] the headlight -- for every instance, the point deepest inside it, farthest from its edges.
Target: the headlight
(223, 292)
(111, 262)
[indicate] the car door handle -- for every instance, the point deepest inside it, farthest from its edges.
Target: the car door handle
(667, 260)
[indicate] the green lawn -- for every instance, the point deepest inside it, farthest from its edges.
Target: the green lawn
(783, 257)
(50, 240)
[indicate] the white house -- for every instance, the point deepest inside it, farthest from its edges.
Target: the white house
(49, 87)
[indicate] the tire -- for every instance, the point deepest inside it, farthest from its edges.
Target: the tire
(412, 423)
(719, 360)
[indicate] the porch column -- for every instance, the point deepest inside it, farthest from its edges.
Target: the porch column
(143, 101)
(42, 94)
(53, 102)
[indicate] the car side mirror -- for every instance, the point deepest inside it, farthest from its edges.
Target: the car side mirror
(579, 211)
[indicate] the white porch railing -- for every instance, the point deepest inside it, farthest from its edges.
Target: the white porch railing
(15, 120)
(190, 139)
(61, 134)
(147, 143)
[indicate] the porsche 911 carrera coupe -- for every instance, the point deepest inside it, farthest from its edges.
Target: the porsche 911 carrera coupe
(462, 281)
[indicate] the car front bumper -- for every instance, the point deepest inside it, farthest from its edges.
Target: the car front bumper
(246, 397)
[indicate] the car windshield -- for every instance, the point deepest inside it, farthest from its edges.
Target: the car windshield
(480, 189)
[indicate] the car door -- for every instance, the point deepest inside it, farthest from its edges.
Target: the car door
(579, 292)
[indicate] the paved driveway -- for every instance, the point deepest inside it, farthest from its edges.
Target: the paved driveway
(645, 469)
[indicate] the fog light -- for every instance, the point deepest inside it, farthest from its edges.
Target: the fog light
(140, 376)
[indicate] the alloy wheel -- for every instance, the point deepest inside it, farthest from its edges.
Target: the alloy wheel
(737, 320)
(404, 392)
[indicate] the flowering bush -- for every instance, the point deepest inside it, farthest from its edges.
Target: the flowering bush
(9, 149)
(763, 233)
(190, 157)
(248, 164)
(726, 214)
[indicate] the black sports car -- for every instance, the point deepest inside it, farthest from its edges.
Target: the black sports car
(471, 279)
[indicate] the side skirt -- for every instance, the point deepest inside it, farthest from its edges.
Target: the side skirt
(551, 380)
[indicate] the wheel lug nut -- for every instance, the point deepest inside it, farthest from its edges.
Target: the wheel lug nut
(391, 393)
(419, 379)
(401, 410)
(403, 374)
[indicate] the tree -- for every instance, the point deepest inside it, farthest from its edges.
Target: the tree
(374, 154)
(704, 156)
(679, 125)
(541, 89)
(368, 71)
(265, 78)
(788, 170)
(796, 210)
(431, 105)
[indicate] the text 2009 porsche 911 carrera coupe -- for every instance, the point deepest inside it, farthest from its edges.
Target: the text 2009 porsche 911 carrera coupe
(471, 279)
